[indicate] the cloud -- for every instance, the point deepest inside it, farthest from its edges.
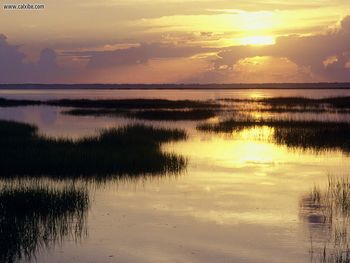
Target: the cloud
(11, 60)
(13, 69)
(130, 10)
(137, 55)
(308, 52)
(320, 57)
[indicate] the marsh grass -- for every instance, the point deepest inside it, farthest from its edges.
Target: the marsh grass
(286, 109)
(33, 218)
(15, 103)
(178, 115)
(133, 104)
(97, 112)
(296, 104)
(145, 109)
(157, 115)
(332, 204)
(315, 135)
(334, 102)
(334, 201)
(132, 150)
(339, 192)
(276, 104)
(115, 103)
(331, 136)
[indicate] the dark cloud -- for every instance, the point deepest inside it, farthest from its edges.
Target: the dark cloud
(13, 68)
(11, 61)
(137, 55)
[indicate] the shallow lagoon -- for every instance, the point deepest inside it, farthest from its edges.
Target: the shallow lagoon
(237, 201)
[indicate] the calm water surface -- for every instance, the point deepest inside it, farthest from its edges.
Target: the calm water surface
(238, 200)
(168, 94)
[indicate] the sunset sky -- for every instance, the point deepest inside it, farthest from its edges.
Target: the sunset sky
(176, 41)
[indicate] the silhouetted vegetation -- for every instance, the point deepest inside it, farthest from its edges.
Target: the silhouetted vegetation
(36, 218)
(317, 135)
(284, 109)
(335, 102)
(331, 202)
(327, 213)
(98, 112)
(132, 150)
(297, 104)
(133, 104)
(159, 115)
(292, 101)
(15, 103)
(239, 124)
(147, 109)
(115, 103)
(197, 114)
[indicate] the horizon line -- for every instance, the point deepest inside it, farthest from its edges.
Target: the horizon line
(164, 86)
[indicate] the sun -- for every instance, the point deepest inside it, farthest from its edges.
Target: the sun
(257, 40)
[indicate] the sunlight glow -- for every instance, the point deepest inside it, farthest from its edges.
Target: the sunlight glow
(257, 40)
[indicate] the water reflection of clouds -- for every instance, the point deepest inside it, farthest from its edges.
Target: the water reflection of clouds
(52, 122)
(237, 201)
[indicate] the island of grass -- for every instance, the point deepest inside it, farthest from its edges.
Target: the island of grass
(335, 102)
(132, 150)
(35, 217)
(315, 135)
(155, 114)
(15, 103)
(115, 103)
(296, 104)
(133, 104)
(145, 109)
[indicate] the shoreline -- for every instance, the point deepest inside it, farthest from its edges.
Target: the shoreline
(265, 86)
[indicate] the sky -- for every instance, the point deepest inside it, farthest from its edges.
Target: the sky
(176, 41)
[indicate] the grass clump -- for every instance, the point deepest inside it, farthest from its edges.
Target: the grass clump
(132, 150)
(146, 109)
(332, 204)
(178, 115)
(297, 104)
(133, 104)
(285, 109)
(157, 115)
(316, 135)
(333, 201)
(234, 124)
(97, 112)
(34, 218)
(15, 103)
(334, 102)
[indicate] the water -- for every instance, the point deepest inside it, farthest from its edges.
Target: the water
(238, 200)
(168, 94)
